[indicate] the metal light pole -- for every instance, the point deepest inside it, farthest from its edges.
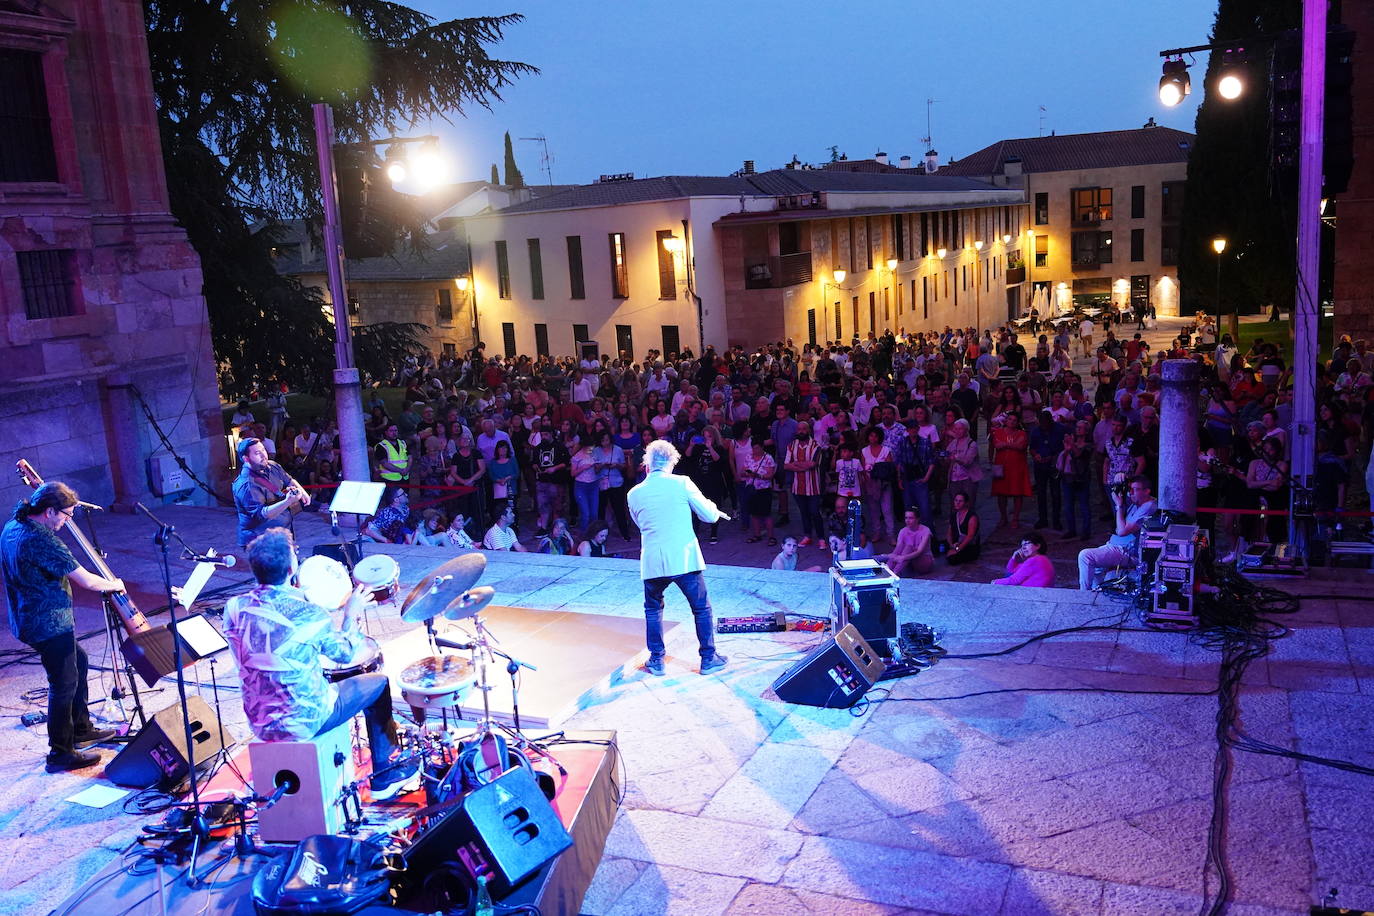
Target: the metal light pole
(348, 402)
(1219, 246)
(1305, 306)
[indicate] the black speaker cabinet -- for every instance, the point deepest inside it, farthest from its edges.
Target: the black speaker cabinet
(505, 830)
(157, 754)
(835, 674)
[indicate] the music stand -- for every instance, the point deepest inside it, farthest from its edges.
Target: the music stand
(358, 497)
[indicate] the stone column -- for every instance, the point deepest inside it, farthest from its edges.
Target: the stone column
(1178, 426)
(122, 420)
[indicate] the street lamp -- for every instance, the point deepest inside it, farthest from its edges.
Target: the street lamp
(1219, 246)
(836, 278)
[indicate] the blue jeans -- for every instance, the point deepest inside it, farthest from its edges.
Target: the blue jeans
(693, 588)
(917, 493)
(809, 507)
(369, 694)
(1076, 495)
(742, 494)
(588, 496)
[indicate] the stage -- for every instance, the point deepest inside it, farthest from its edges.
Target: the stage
(1071, 776)
(586, 805)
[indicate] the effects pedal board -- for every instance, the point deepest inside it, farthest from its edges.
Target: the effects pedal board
(759, 623)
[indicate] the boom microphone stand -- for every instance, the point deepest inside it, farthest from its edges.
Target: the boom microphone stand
(199, 827)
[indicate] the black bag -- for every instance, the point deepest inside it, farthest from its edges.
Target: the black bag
(322, 875)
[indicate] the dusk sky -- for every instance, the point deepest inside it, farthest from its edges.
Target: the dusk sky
(696, 88)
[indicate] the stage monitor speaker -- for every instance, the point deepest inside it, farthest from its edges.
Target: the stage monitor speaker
(506, 830)
(157, 754)
(835, 674)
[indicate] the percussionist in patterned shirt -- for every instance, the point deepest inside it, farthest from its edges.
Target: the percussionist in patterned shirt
(278, 636)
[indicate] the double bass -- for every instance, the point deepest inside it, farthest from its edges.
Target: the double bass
(148, 649)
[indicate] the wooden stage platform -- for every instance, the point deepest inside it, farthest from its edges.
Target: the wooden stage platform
(574, 655)
(586, 802)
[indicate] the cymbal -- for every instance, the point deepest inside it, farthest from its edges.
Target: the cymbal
(470, 603)
(441, 586)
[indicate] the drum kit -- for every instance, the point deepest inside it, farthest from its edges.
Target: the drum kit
(438, 682)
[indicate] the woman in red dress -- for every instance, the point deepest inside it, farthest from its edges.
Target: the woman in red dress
(1009, 446)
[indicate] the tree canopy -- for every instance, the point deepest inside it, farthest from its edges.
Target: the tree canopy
(234, 81)
(1231, 190)
(513, 176)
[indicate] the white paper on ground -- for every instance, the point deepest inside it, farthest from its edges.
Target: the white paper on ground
(98, 796)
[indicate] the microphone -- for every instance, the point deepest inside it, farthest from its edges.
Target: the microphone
(227, 560)
(89, 507)
(451, 644)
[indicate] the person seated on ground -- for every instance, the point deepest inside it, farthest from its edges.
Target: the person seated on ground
(457, 533)
(1130, 509)
(558, 541)
(1028, 565)
(432, 530)
(594, 541)
(389, 525)
(911, 555)
(965, 541)
(278, 636)
(787, 557)
(501, 536)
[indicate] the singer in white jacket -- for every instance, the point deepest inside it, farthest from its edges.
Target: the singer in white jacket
(662, 507)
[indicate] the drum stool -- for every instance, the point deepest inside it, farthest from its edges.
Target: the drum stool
(315, 771)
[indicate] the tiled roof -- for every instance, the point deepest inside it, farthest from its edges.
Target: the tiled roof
(1073, 152)
(762, 184)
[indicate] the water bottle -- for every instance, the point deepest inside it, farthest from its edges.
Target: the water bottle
(483, 906)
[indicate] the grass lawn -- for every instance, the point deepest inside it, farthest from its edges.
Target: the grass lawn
(302, 407)
(1281, 333)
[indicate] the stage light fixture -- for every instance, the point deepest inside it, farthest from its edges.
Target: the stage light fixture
(1175, 84)
(1231, 74)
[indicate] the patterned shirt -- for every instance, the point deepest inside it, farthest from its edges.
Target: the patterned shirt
(36, 564)
(804, 483)
(278, 636)
(253, 493)
(391, 523)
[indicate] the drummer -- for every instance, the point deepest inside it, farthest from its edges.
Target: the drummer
(278, 636)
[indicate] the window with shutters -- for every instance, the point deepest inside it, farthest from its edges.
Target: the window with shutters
(899, 236)
(580, 333)
(620, 267)
(1137, 244)
(667, 266)
(577, 287)
(45, 283)
(541, 340)
(26, 144)
(508, 337)
(1137, 201)
(1042, 208)
(839, 334)
(502, 271)
(443, 308)
(925, 298)
(624, 341)
(536, 269)
(811, 326)
(671, 340)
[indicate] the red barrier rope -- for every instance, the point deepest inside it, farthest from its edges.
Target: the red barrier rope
(460, 490)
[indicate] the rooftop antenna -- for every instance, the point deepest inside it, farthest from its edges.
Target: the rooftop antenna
(1042, 120)
(930, 103)
(545, 161)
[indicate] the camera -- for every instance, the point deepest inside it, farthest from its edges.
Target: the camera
(1119, 486)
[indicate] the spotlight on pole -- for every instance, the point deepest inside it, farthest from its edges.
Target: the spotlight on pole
(396, 169)
(1175, 84)
(1231, 75)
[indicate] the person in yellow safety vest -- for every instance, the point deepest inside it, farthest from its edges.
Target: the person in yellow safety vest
(393, 458)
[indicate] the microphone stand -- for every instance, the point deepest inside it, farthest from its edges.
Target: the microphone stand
(199, 827)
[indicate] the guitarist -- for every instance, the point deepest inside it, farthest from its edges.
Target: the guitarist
(264, 494)
(39, 571)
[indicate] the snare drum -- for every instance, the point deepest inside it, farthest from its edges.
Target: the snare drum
(436, 681)
(324, 581)
(379, 573)
(367, 660)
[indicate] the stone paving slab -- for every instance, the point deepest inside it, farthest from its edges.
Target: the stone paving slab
(1006, 784)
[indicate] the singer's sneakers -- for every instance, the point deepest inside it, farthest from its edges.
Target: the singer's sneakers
(714, 663)
(395, 780)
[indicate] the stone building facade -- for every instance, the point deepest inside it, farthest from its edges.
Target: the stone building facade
(1354, 290)
(102, 322)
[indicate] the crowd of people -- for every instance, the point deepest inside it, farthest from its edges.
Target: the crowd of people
(785, 436)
